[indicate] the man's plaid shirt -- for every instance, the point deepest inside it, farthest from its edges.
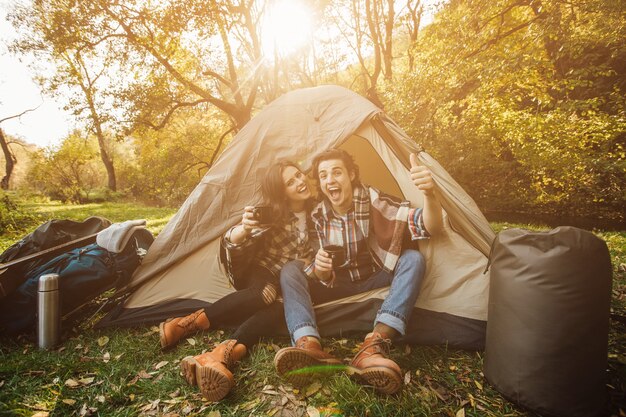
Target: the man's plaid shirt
(387, 217)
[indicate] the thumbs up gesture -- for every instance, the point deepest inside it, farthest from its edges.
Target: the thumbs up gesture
(421, 176)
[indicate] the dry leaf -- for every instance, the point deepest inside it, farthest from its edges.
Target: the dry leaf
(106, 357)
(41, 414)
(312, 389)
(460, 413)
(144, 375)
(407, 378)
(478, 385)
(175, 393)
(312, 411)
(117, 358)
(103, 340)
(161, 364)
(131, 397)
(68, 401)
(101, 399)
(191, 341)
(70, 383)
(214, 413)
(86, 381)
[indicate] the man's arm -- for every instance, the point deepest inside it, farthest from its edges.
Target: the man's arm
(423, 180)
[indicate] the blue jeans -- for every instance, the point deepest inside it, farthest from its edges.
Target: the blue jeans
(301, 293)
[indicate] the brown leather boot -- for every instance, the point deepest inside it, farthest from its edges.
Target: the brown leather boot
(305, 361)
(172, 330)
(210, 370)
(372, 367)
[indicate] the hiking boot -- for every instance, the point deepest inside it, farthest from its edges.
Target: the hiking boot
(211, 370)
(172, 330)
(372, 367)
(304, 361)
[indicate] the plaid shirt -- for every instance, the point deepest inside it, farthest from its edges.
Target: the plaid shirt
(385, 216)
(282, 245)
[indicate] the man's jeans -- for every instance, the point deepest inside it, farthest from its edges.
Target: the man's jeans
(301, 293)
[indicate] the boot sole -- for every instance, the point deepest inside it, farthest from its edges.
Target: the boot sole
(299, 368)
(383, 379)
(188, 367)
(214, 384)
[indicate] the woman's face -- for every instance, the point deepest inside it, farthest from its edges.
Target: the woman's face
(296, 185)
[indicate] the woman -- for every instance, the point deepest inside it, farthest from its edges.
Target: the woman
(289, 194)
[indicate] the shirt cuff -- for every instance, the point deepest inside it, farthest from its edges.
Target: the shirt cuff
(417, 229)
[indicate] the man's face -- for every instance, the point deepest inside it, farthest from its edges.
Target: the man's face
(336, 184)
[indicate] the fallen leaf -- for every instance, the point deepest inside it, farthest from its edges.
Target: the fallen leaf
(70, 383)
(117, 358)
(214, 413)
(106, 357)
(101, 399)
(191, 341)
(86, 381)
(144, 375)
(68, 401)
(478, 385)
(312, 389)
(175, 393)
(460, 413)
(103, 341)
(41, 414)
(312, 411)
(131, 397)
(407, 378)
(161, 364)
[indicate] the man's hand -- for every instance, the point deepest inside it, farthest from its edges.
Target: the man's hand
(421, 176)
(323, 265)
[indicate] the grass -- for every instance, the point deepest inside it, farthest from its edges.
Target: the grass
(122, 372)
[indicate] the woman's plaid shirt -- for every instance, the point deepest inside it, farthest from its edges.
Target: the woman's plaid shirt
(282, 244)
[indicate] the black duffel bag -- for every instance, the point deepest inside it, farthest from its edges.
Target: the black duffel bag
(548, 320)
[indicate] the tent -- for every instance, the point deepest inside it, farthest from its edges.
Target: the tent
(182, 272)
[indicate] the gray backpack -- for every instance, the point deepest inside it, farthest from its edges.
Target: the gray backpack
(548, 322)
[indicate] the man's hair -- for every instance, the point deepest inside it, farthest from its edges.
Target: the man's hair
(335, 153)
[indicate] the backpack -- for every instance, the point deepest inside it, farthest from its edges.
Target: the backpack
(83, 272)
(46, 242)
(548, 320)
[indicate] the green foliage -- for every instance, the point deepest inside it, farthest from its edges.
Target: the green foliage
(13, 216)
(70, 172)
(170, 162)
(523, 103)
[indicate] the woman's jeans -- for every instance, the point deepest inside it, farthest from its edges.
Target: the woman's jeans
(301, 293)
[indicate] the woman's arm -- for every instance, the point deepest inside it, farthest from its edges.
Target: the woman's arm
(241, 232)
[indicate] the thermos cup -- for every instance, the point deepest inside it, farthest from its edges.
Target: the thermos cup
(48, 311)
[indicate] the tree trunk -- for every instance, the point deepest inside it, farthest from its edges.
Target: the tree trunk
(10, 161)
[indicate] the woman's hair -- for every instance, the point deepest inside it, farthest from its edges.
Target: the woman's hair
(273, 188)
(340, 154)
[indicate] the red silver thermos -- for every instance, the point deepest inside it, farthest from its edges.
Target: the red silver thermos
(48, 311)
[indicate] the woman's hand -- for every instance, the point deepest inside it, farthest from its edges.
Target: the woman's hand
(323, 265)
(242, 231)
(248, 220)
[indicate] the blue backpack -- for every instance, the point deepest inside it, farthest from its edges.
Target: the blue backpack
(84, 273)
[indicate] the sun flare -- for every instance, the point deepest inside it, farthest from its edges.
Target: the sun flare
(286, 27)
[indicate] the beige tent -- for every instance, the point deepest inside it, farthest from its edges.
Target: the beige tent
(182, 272)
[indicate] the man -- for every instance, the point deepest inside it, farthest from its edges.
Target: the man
(370, 226)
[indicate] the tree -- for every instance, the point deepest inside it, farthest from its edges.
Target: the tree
(523, 102)
(69, 172)
(9, 157)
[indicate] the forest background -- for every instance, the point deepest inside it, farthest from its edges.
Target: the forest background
(522, 101)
